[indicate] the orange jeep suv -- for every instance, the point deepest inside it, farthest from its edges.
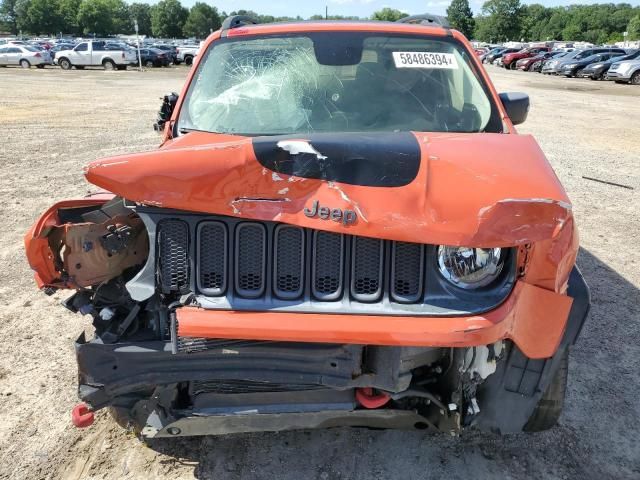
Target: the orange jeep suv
(341, 227)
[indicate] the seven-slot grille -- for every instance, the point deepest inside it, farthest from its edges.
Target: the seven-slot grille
(254, 260)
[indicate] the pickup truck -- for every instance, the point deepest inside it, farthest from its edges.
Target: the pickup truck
(186, 54)
(95, 54)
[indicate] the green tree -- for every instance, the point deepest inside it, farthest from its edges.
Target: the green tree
(43, 16)
(388, 15)
(104, 17)
(460, 17)
(168, 18)
(504, 19)
(201, 21)
(634, 28)
(534, 18)
(142, 13)
(68, 11)
(9, 15)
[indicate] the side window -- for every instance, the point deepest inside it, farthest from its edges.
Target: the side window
(83, 47)
(99, 46)
(14, 50)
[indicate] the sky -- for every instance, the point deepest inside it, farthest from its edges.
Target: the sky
(361, 8)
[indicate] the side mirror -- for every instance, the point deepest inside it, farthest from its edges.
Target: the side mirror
(517, 106)
(166, 110)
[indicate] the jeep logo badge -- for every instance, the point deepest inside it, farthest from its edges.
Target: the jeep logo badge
(347, 217)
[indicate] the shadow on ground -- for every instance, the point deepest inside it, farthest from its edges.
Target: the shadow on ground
(573, 449)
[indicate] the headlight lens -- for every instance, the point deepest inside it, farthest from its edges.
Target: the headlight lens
(470, 268)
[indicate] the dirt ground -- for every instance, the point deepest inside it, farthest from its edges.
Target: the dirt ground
(54, 122)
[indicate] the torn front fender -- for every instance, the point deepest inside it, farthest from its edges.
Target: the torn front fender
(480, 189)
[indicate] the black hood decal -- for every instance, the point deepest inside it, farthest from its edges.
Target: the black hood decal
(365, 159)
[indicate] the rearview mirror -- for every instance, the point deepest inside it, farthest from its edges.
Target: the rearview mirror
(517, 106)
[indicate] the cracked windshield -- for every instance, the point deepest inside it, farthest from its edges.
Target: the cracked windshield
(332, 82)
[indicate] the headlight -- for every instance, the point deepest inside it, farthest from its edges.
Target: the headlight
(571, 65)
(470, 268)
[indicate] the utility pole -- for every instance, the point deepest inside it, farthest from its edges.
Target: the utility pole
(135, 25)
(326, 12)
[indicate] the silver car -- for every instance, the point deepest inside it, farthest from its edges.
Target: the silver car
(24, 56)
(627, 71)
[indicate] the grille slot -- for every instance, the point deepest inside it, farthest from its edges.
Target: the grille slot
(251, 249)
(407, 271)
(212, 258)
(366, 268)
(288, 272)
(328, 265)
(173, 257)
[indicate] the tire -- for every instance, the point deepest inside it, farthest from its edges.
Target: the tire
(65, 64)
(149, 64)
(188, 60)
(512, 65)
(109, 64)
(547, 412)
(177, 62)
(25, 63)
(635, 78)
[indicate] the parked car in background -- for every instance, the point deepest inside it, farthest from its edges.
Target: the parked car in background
(170, 50)
(488, 57)
(24, 56)
(186, 54)
(58, 47)
(4, 41)
(598, 70)
(480, 51)
(534, 64)
(497, 57)
(625, 72)
(152, 57)
(554, 66)
(509, 60)
(572, 68)
(94, 54)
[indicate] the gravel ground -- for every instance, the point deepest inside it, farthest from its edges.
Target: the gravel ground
(54, 122)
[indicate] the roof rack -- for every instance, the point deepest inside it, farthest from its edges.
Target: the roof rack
(236, 21)
(426, 19)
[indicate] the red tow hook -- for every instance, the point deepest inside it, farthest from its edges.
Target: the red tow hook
(81, 416)
(368, 399)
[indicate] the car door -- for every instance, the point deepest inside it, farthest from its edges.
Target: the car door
(81, 55)
(13, 55)
(3, 55)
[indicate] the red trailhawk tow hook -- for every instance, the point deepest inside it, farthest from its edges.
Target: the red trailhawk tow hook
(81, 416)
(368, 399)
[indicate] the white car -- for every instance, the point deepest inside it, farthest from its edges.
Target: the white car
(95, 54)
(24, 56)
(625, 72)
(186, 54)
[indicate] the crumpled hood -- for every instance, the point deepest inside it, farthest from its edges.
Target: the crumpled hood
(438, 188)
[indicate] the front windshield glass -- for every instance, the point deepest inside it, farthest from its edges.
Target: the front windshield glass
(334, 81)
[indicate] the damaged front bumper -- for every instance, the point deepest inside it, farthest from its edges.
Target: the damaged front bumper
(147, 376)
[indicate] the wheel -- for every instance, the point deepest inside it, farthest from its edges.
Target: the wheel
(512, 65)
(109, 65)
(188, 60)
(65, 64)
(25, 63)
(177, 62)
(148, 63)
(635, 78)
(549, 408)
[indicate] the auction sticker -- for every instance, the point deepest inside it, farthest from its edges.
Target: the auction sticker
(425, 60)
